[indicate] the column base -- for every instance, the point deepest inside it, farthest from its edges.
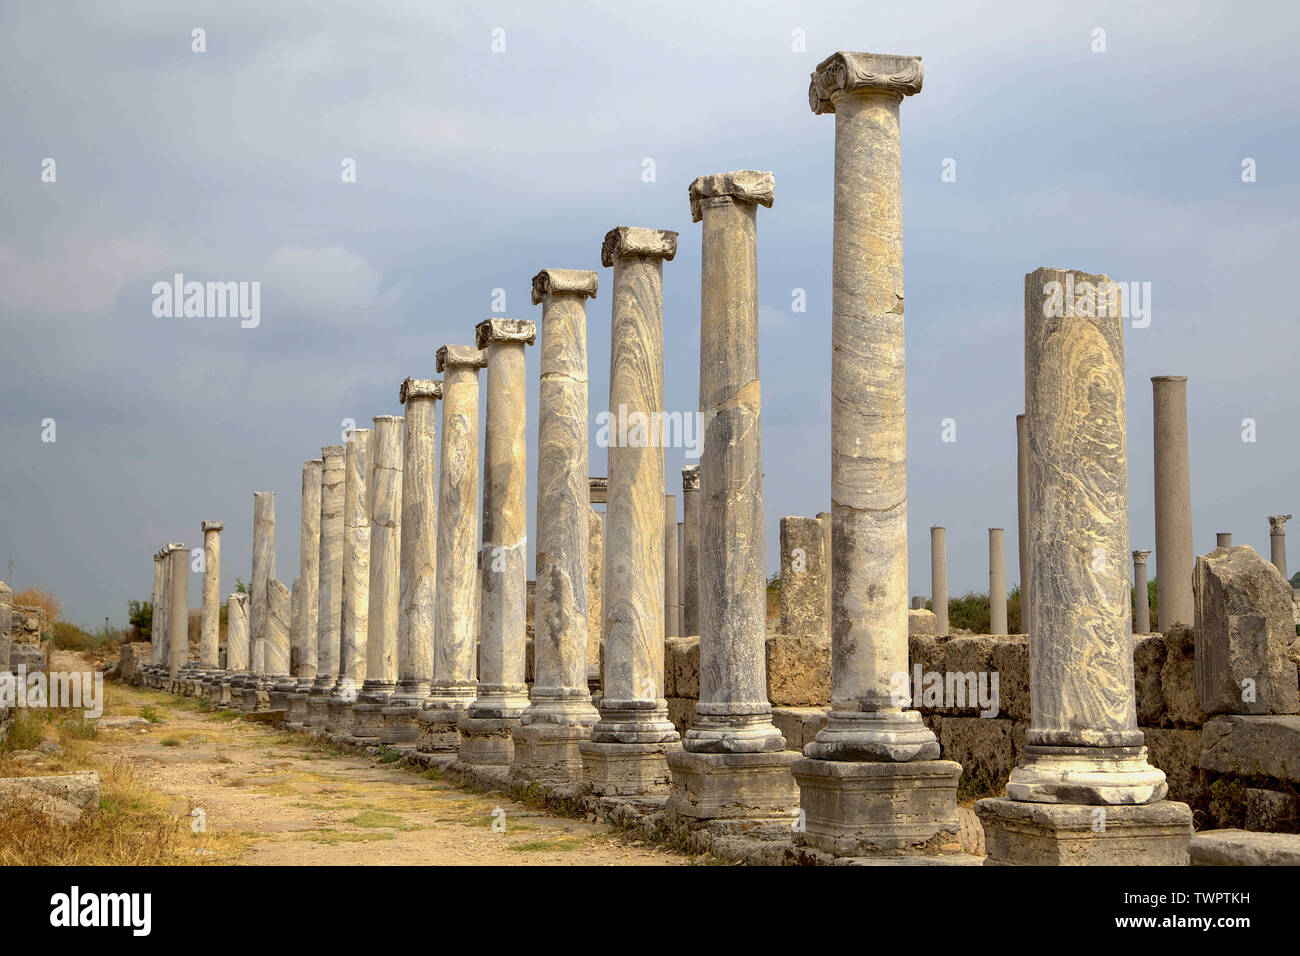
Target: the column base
(857, 808)
(873, 736)
(486, 741)
(634, 722)
(728, 786)
(255, 697)
(1061, 834)
(627, 770)
(279, 692)
(295, 708)
(439, 730)
(221, 694)
(338, 720)
(368, 712)
(547, 752)
(317, 709)
(399, 722)
(1111, 776)
(733, 734)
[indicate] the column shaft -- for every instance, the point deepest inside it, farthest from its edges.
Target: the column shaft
(1141, 598)
(385, 490)
(672, 603)
(263, 574)
(419, 557)
(1174, 554)
(178, 617)
(329, 593)
(1022, 511)
(997, 581)
(210, 625)
(308, 625)
(355, 604)
(690, 591)
(939, 578)
(1277, 541)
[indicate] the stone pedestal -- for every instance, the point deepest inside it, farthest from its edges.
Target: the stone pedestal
(1044, 834)
(997, 581)
(939, 578)
(329, 604)
(723, 786)
(1173, 491)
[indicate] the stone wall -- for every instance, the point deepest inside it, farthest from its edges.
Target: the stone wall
(27, 624)
(132, 657)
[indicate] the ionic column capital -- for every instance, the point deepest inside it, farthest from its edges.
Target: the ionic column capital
(743, 185)
(419, 388)
(460, 356)
(504, 331)
(564, 282)
(212, 526)
(846, 72)
(625, 242)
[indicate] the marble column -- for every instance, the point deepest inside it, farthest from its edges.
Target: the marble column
(824, 518)
(1223, 539)
(681, 578)
(595, 580)
(161, 623)
(1083, 748)
(155, 623)
(733, 761)
(384, 602)
(485, 730)
(1142, 601)
(672, 603)
(417, 595)
(997, 581)
(455, 671)
(237, 633)
(1277, 541)
(355, 603)
(871, 780)
(307, 591)
(329, 593)
(178, 616)
(1022, 509)
(1174, 555)
(560, 715)
(628, 746)
(279, 684)
(263, 574)
(939, 578)
(690, 594)
(210, 621)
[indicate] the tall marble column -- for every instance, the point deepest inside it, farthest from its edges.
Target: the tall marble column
(672, 603)
(1022, 509)
(997, 581)
(874, 752)
(1142, 600)
(279, 684)
(733, 761)
(155, 624)
(383, 607)
(939, 578)
(455, 671)
(178, 612)
(628, 745)
(355, 603)
(485, 730)
(329, 594)
(1083, 749)
(690, 594)
(1223, 539)
(598, 494)
(210, 622)
(1277, 541)
(263, 574)
(1174, 555)
(560, 715)
(417, 595)
(307, 591)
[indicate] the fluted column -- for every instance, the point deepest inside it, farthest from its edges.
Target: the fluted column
(355, 604)
(210, 622)
(1142, 600)
(939, 578)
(1022, 510)
(1223, 539)
(628, 745)
(690, 594)
(672, 603)
(560, 714)
(1174, 554)
(329, 593)
(1277, 541)
(456, 599)
(997, 581)
(485, 731)
(178, 616)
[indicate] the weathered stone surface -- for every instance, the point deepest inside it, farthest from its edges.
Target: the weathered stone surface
(1243, 848)
(263, 574)
(997, 581)
(65, 798)
(1173, 501)
(1267, 745)
(987, 748)
(939, 579)
(690, 568)
(237, 633)
(672, 573)
(682, 667)
(178, 619)
(798, 670)
(798, 725)
(308, 614)
(1277, 541)
(842, 74)
(131, 658)
(595, 576)
(1022, 512)
(1042, 834)
(1148, 663)
(1142, 610)
(329, 604)
(1243, 636)
(210, 621)
(276, 629)
(1270, 811)
(1178, 679)
(1177, 752)
(723, 786)
(804, 569)
(355, 604)
(921, 622)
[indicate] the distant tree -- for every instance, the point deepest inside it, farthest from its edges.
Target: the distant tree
(241, 587)
(140, 617)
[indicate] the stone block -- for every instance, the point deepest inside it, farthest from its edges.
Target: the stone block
(131, 658)
(1243, 848)
(1148, 663)
(733, 786)
(1177, 752)
(63, 798)
(1252, 745)
(486, 741)
(1064, 834)
(804, 570)
(985, 747)
(681, 711)
(798, 725)
(626, 770)
(1178, 679)
(682, 667)
(1010, 661)
(1270, 811)
(798, 670)
(920, 623)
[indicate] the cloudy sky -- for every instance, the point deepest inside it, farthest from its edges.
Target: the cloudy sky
(476, 167)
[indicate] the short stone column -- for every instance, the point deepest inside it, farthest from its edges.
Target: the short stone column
(561, 715)
(1223, 539)
(263, 574)
(997, 581)
(355, 604)
(1277, 541)
(939, 578)
(1083, 749)
(1174, 555)
(329, 589)
(485, 730)
(178, 612)
(733, 762)
(306, 592)
(803, 577)
(628, 745)
(417, 597)
(690, 593)
(383, 602)
(1022, 509)
(871, 781)
(1141, 598)
(672, 602)
(210, 613)
(237, 633)
(456, 630)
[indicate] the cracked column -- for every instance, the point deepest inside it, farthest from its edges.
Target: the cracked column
(997, 581)
(210, 613)
(383, 602)
(232, 693)
(690, 594)
(628, 746)
(178, 612)
(355, 603)
(733, 762)
(277, 626)
(1022, 514)
(1141, 598)
(939, 578)
(870, 780)
(1083, 749)
(672, 603)
(1277, 541)
(561, 715)
(417, 595)
(329, 593)
(307, 593)
(1175, 558)
(455, 626)
(485, 730)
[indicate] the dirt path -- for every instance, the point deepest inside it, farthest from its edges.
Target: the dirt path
(294, 804)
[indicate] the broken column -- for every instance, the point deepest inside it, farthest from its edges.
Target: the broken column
(672, 603)
(485, 730)
(871, 779)
(997, 581)
(803, 577)
(355, 603)
(417, 598)
(690, 594)
(237, 633)
(1083, 749)
(1174, 555)
(1223, 539)
(628, 746)
(329, 594)
(307, 593)
(385, 561)
(454, 669)
(560, 715)
(178, 611)
(1277, 541)
(1141, 598)
(733, 762)
(939, 578)
(1022, 514)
